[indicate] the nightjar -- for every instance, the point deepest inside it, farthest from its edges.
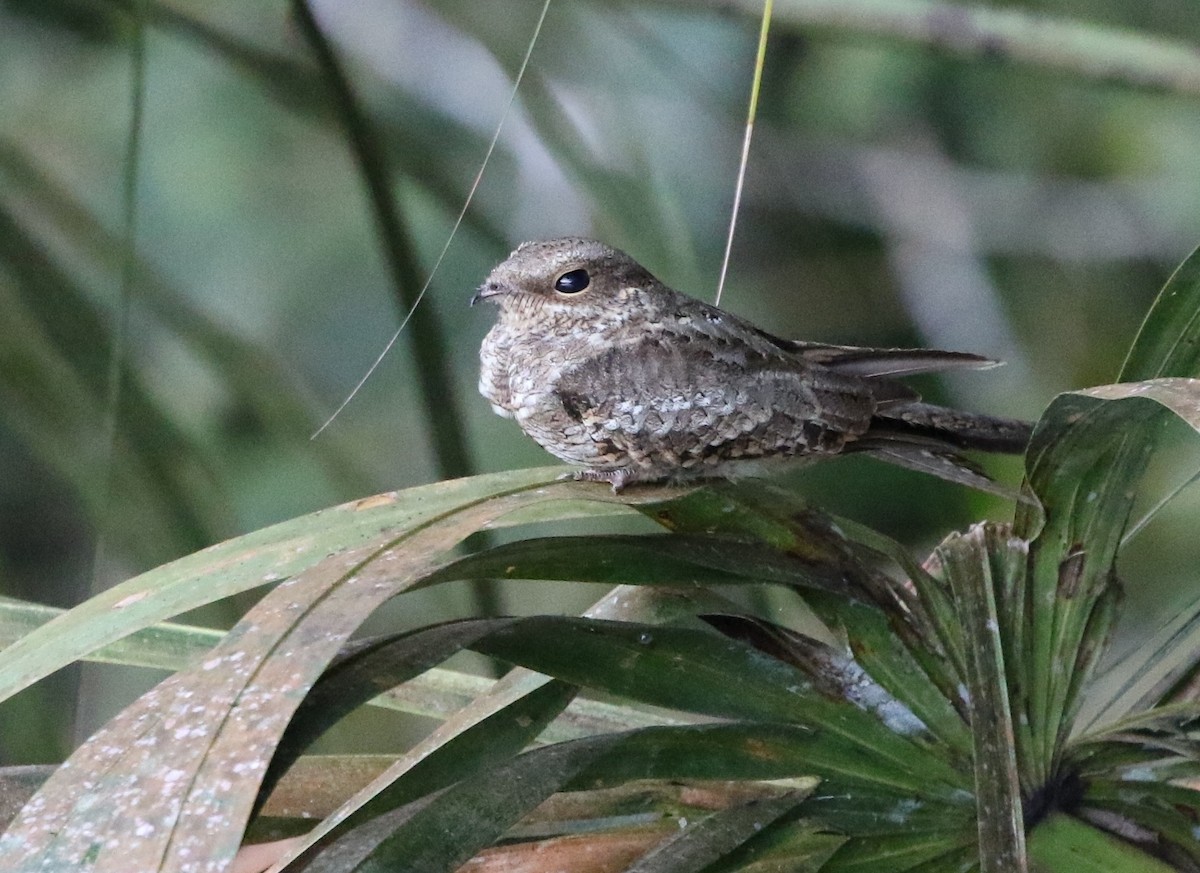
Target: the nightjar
(608, 368)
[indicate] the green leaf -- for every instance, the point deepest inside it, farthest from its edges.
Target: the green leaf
(1085, 459)
(504, 701)
(1147, 673)
(273, 554)
(192, 752)
(967, 563)
(699, 845)
(832, 671)
(840, 553)
(369, 667)
(442, 832)
(1166, 811)
(1062, 844)
(698, 671)
(935, 638)
(163, 646)
(1168, 342)
(877, 814)
(792, 847)
(906, 852)
(897, 669)
(488, 741)
(434, 694)
(681, 559)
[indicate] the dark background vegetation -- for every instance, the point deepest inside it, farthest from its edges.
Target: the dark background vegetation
(897, 194)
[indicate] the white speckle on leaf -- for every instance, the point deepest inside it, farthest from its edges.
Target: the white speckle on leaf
(131, 599)
(903, 809)
(1138, 774)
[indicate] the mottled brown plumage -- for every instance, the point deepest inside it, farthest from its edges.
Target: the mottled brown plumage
(608, 368)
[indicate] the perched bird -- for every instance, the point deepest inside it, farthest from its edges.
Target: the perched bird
(608, 368)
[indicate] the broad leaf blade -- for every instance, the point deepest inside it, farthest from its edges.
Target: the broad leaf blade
(190, 754)
(834, 673)
(370, 667)
(698, 671)
(1063, 844)
(1085, 460)
(699, 845)
(1168, 343)
(447, 829)
(890, 663)
(688, 560)
(261, 557)
(968, 565)
(505, 700)
(839, 554)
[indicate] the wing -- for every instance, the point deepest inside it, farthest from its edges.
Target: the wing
(722, 327)
(865, 362)
(674, 406)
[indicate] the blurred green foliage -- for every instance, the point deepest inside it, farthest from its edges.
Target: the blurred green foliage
(897, 194)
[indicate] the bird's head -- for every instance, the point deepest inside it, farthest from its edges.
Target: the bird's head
(563, 275)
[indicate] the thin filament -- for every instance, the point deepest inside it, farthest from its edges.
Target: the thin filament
(759, 62)
(512, 97)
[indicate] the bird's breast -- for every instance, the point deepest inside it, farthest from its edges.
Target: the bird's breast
(520, 365)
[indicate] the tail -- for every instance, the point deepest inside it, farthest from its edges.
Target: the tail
(954, 427)
(916, 435)
(928, 438)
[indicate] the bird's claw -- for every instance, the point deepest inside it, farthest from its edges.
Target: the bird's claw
(618, 479)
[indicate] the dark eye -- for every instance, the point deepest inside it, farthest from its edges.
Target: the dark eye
(572, 281)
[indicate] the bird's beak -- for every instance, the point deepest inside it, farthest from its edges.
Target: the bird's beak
(490, 288)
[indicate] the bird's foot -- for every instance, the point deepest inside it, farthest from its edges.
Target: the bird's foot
(618, 479)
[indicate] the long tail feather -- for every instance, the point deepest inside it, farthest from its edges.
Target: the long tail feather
(867, 363)
(953, 427)
(944, 464)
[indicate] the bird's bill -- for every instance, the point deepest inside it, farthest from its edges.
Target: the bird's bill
(488, 290)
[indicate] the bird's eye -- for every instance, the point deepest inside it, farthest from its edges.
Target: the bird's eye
(572, 281)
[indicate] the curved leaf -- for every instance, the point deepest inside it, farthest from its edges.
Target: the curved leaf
(1086, 457)
(1168, 342)
(369, 667)
(967, 562)
(698, 671)
(833, 672)
(270, 555)
(435, 693)
(897, 669)
(442, 832)
(506, 698)
(698, 845)
(681, 559)
(174, 776)
(839, 554)
(1063, 844)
